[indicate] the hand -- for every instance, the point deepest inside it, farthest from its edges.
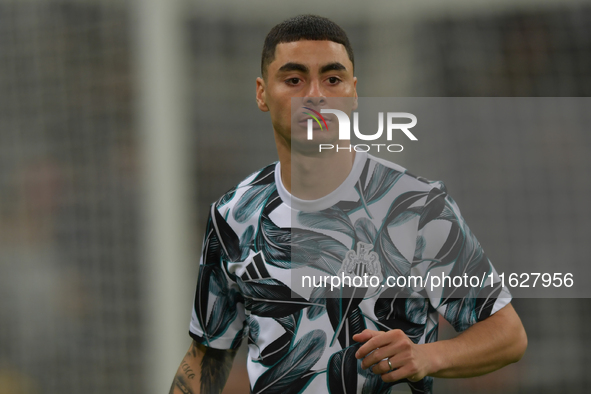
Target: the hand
(408, 360)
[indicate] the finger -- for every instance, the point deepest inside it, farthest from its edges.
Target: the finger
(395, 351)
(376, 356)
(366, 335)
(372, 344)
(393, 376)
(362, 337)
(379, 341)
(383, 367)
(404, 372)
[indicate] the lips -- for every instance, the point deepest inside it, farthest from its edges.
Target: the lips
(304, 122)
(305, 118)
(306, 115)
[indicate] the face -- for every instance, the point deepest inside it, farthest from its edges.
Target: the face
(317, 73)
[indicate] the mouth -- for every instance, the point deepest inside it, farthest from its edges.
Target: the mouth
(303, 119)
(303, 122)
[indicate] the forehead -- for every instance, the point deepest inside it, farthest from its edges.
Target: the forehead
(310, 53)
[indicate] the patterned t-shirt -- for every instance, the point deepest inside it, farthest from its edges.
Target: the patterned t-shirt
(381, 221)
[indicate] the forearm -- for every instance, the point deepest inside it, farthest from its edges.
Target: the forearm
(203, 370)
(485, 347)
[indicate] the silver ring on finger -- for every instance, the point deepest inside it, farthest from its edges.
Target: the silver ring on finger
(390, 364)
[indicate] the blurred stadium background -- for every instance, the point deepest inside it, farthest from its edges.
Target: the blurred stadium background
(121, 121)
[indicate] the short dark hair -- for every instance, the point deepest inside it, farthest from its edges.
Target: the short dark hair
(303, 27)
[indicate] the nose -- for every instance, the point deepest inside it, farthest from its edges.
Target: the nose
(314, 96)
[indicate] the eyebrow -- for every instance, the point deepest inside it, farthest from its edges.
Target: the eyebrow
(294, 67)
(336, 66)
(291, 66)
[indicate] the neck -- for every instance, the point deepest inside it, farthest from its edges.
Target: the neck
(310, 176)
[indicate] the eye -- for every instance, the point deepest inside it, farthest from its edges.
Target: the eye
(333, 80)
(293, 81)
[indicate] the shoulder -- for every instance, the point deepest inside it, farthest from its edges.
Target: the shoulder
(260, 178)
(240, 205)
(234, 216)
(407, 180)
(408, 192)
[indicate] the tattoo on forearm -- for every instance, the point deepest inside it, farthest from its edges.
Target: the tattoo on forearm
(215, 369)
(194, 349)
(181, 383)
(187, 370)
(179, 380)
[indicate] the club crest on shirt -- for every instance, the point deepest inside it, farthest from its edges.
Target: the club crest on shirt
(361, 263)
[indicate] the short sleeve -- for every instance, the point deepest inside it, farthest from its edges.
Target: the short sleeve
(461, 283)
(218, 311)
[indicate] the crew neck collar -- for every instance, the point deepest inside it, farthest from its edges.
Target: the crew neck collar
(330, 199)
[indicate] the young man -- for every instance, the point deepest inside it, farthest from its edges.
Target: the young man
(325, 212)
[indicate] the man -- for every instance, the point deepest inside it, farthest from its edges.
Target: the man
(329, 212)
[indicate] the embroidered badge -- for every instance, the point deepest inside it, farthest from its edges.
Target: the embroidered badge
(364, 263)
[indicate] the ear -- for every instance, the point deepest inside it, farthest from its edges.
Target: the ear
(355, 101)
(260, 96)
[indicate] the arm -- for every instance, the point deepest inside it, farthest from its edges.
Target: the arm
(484, 347)
(203, 370)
